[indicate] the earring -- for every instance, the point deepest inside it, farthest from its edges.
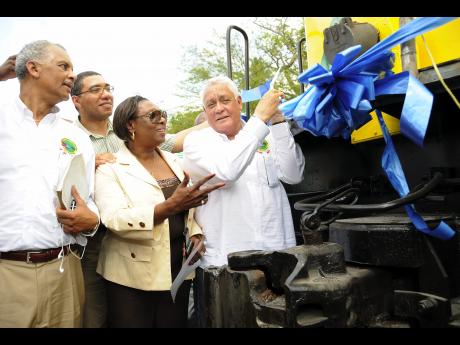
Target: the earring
(132, 135)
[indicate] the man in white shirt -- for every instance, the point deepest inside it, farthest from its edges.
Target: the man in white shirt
(40, 273)
(252, 211)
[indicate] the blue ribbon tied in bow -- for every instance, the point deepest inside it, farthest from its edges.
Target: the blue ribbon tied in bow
(338, 101)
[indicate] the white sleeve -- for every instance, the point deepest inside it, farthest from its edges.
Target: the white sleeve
(228, 159)
(289, 159)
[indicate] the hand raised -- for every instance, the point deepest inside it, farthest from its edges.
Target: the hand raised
(7, 69)
(186, 197)
(268, 105)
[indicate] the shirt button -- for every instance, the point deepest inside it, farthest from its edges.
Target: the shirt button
(133, 255)
(130, 224)
(142, 224)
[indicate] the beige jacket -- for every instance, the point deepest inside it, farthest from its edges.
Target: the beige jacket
(134, 252)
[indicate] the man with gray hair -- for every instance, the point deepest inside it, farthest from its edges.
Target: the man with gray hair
(252, 211)
(40, 272)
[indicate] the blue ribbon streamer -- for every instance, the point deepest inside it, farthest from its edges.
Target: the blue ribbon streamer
(392, 166)
(417, 105)
(255, 93)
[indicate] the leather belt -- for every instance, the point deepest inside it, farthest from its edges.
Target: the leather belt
(36, 256)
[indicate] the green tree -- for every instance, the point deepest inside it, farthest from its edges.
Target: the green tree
(183, 120)
(275, 44)
(277, 47)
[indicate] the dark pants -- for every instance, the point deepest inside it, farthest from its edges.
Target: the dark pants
(129, 308)
(198, 317)
(95, 309)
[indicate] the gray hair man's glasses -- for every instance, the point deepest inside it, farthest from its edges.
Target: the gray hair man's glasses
(155, 116)
(96, 90)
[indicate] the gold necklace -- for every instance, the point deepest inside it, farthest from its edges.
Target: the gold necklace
(153, 164)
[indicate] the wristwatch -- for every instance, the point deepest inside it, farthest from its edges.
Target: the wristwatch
(93, 230)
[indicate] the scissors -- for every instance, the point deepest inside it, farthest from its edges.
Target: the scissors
(275, 78)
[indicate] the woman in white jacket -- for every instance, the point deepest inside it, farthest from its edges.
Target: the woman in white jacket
(146, 205)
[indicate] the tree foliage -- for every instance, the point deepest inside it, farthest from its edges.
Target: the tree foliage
(275, 44)
(183, 119)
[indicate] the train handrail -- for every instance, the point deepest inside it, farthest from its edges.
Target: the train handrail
(299, 59)
(246, 59)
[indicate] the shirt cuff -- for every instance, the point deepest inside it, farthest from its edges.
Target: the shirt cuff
(257, 127)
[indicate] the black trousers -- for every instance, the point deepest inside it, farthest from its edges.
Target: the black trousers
(130, 308)
(198, 317)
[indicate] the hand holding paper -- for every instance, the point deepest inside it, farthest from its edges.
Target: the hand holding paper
(73, 194)
(187, 267)
(78, 219)
(196, 241)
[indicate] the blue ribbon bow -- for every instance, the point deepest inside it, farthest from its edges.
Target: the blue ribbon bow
(338, 100)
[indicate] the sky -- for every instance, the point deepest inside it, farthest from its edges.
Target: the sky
(135, 55)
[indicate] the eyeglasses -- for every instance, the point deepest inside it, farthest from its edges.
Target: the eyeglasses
(155, 116)
(95, 90)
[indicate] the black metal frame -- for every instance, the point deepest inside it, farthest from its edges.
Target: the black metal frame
(246, 58)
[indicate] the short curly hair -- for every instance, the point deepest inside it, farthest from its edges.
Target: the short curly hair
(76, 89)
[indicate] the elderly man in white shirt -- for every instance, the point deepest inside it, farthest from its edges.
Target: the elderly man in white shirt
(41, 280)
(252, 211)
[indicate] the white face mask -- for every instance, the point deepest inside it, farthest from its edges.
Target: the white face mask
(61, 256)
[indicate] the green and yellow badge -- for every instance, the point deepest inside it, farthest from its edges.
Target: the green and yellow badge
(264, 147)
(69, 146)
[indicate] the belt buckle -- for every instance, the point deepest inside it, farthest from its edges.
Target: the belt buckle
(28, 257)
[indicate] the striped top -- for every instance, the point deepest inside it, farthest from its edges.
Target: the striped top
(112, 143)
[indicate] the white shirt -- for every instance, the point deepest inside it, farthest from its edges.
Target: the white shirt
(32, 161)
(252, 211)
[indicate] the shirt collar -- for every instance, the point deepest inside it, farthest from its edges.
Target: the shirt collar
(91, 134)
(224, 136)
(27, 113)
